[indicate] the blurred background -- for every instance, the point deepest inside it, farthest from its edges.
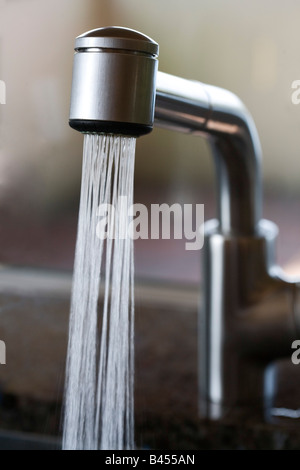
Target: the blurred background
(251, 49)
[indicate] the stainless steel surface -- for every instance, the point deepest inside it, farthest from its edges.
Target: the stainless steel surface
(113, 86)
(246, 322)
(114, 37)
(196, 108)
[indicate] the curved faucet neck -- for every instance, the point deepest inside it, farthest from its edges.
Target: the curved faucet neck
(193, 107)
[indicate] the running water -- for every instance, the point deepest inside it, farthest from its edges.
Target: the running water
(99, 409)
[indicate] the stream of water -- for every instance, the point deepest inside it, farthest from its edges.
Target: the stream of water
(99, 403)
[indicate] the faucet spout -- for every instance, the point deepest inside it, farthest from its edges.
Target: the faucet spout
(113, 85)
(193, 107)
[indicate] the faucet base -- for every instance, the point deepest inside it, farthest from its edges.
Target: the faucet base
(246, 322)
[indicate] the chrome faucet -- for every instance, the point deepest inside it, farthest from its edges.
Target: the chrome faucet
(251, 310)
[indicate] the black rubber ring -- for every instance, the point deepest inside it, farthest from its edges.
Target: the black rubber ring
(109, 127)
